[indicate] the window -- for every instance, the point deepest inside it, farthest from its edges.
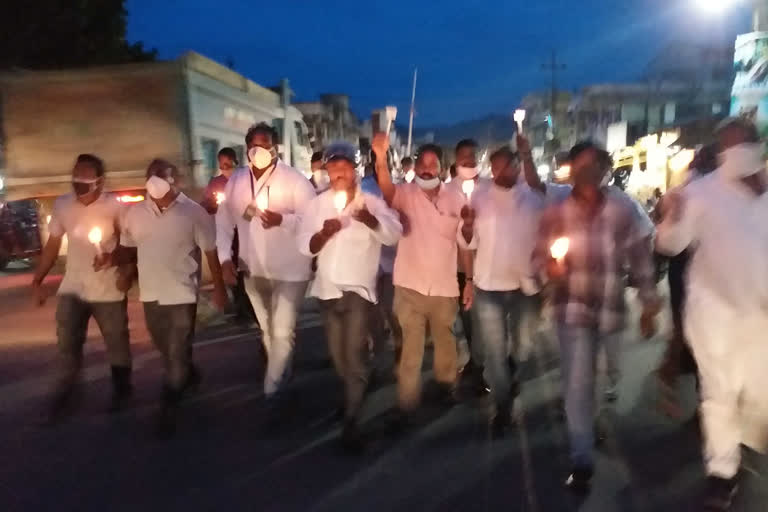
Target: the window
(240, 152)
(210, 149)
(301, 137)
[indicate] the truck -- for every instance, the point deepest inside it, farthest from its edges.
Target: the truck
(182, 110)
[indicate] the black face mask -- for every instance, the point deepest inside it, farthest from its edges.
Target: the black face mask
(82, 189)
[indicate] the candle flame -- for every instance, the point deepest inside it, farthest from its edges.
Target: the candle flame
(560, 248)
(262, 202)
(468, 187)
(340, 200)
(94, 236)
(220, 197)
(410, 175)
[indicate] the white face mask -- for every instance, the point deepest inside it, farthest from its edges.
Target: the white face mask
(157, 187)
(260, 158)
(741, 161)
(322, 180)
(466, 173)
(429, 184)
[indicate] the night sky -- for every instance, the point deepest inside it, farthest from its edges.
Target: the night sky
(474, 57)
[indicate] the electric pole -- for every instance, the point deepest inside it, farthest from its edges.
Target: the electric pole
(553, 66)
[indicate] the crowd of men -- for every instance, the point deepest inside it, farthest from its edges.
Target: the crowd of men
(416, 258)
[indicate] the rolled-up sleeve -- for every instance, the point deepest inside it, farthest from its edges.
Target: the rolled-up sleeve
(390, 229)
(303, 194)
(205, 230)
(310, 225)
(673, 237)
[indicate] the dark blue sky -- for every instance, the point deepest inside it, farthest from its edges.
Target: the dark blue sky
(475, 57)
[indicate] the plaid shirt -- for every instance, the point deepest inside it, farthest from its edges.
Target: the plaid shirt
(592, 292)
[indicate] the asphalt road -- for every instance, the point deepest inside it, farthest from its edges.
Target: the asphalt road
(224, 459)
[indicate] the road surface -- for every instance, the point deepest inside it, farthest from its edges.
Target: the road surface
(224, 459)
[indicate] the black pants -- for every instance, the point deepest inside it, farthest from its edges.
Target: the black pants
(466, 316)
(679, 358)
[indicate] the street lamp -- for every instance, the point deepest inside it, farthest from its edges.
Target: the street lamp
(715, 6)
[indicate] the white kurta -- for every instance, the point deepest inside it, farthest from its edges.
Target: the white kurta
(726, 312)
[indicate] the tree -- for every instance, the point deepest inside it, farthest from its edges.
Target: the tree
(56, 34)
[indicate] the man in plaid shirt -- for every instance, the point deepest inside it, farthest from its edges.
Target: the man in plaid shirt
(585, 245)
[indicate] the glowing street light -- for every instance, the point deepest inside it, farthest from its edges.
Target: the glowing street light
(715, 6)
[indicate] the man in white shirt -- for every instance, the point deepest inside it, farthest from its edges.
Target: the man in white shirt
(84, 293)
(502, 226)
(265, 201)
(723, 215)
(169, 230)
(345, 228)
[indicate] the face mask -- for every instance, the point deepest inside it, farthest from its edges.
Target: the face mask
(157, 187)
(84, 187)
(466, 173)
(322, 180)
(429, 184)
(741, 161)
(260, 158)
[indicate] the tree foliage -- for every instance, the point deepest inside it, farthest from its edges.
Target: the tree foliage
(56, 34)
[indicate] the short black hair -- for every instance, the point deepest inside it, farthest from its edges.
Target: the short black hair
(262, 128)
(92, 161)
(430, 148)
(406, 162)
(504, 152)
(317, 156)
(159, 166)
(466, 143)
(229, 153)
(581, 147)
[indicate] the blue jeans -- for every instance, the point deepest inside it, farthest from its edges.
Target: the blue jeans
(496, 319)
(578, 352)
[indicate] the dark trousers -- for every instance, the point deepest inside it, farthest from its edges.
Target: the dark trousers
(346, 327)
(678, 358)
(72, 317)
(465, 317)
(383, 315)
(172, 329)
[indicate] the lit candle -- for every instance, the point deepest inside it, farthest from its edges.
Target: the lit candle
(560, 248)
(410, 175)
(220, 197)
(340, 200)
(94, 236)
(262, 201)
(468, 187)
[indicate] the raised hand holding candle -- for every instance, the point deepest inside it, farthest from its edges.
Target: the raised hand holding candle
(560, 248)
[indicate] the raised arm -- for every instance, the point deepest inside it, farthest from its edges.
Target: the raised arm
(529, 168)
(380, 146)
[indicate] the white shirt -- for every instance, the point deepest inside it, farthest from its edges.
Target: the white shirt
(168, 245)
(76, 220)
(727, 226)
(269, 253)
(349, 261)
(504, 236)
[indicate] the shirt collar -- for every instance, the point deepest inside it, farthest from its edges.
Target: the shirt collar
(154, 209)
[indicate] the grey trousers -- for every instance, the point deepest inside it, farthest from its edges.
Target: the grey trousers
(72, 317)
(346, 327)
(172, 329)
